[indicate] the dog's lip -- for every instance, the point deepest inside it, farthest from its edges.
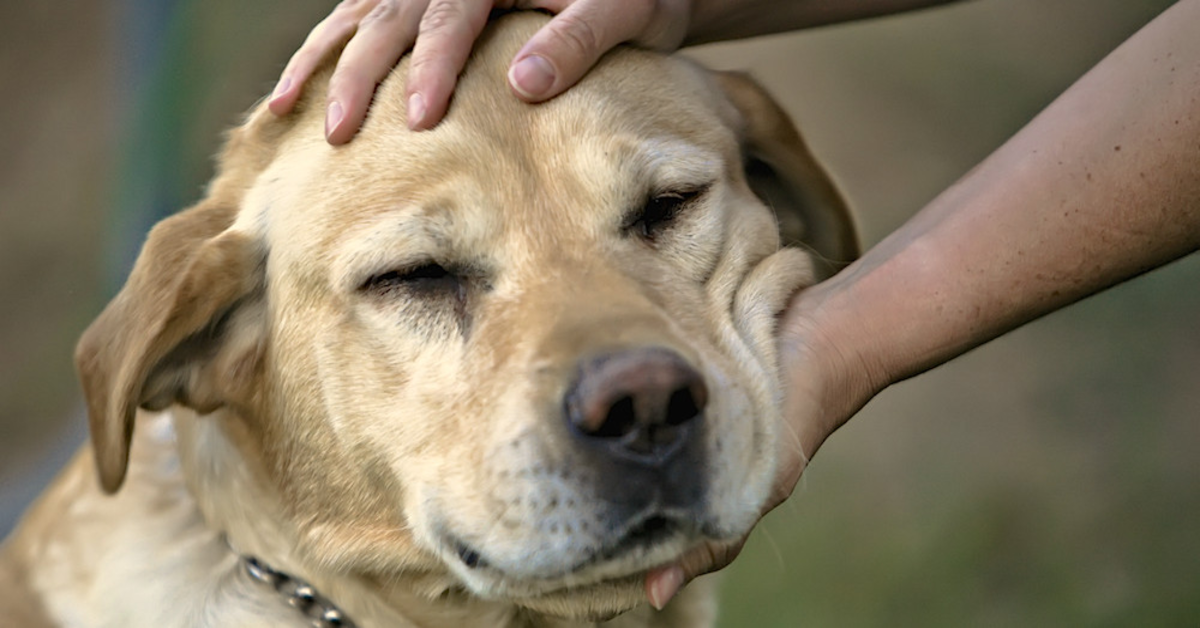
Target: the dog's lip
(641, 532)
(469, 556)
(650, 529)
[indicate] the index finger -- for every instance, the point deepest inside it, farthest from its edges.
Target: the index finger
(447, 33)
(333, 31)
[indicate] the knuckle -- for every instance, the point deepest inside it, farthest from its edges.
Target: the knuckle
(335, 28)
(348, 79)
(440, 16)
(425, 69)
(304, 59)
(350, 14)
(578, 36)
(421, 65)
(384, 11)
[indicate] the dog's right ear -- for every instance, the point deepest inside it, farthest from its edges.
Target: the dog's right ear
(781, 170)
(150, 346)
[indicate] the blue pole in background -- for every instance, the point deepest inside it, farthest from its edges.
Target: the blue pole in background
(147, 187)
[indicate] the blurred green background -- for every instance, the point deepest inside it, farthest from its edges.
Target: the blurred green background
(1050, 478)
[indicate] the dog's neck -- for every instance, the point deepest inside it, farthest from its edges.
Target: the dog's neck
(142, 557)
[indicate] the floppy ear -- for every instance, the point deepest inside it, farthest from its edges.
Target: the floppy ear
(784, 174)
(170, 323)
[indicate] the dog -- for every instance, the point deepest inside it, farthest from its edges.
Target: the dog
(484, 375)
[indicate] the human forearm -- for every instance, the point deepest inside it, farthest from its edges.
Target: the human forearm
(1103, 185)
(722, 20)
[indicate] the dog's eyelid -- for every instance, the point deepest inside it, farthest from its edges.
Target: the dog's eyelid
(427, 273)
(661, 208)
(679, 190)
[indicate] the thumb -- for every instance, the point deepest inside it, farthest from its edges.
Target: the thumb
(569, 45)
(662, 583)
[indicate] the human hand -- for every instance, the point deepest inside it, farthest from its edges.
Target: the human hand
(823, 387)
(376, 33)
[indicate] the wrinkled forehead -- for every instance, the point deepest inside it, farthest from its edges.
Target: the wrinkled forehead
(640, 123)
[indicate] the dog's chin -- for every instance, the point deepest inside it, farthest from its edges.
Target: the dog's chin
(596, 592)
(597, 602)
(605, 584)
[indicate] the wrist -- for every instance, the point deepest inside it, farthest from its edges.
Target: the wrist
(828, 369)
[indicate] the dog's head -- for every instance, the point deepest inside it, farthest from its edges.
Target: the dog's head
(529, 352)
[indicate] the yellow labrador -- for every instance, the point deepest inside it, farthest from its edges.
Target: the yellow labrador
(486, 375)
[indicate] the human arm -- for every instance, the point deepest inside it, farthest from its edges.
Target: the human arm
(441, 32)
(1102, 186)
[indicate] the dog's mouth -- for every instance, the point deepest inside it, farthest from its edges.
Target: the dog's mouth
(650, 532)
(636, 545)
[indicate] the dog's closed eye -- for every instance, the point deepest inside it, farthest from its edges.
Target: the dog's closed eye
(660, 212)
(426, 280)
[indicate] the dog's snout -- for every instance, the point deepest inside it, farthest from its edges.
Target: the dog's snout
(640, 404)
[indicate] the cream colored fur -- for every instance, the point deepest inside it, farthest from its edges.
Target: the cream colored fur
(346, 434)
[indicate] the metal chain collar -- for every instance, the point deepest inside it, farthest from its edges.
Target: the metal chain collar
(300, 595)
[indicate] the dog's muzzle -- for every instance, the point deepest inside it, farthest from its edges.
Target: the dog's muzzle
(632, 436)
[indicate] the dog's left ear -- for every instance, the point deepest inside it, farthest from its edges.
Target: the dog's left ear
(784, 174)
(173, 321)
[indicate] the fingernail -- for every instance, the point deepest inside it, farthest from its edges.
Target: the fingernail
(416, 110)
(333, 117)
(283, 86)
(665, 587)
(532, 76)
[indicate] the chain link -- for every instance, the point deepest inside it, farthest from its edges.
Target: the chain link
(300, 595)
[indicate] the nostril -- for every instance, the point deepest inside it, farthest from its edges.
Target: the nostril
(682, 407)
(638, 404)
(620, 420)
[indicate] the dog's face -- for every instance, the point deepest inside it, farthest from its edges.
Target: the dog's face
(530, 352)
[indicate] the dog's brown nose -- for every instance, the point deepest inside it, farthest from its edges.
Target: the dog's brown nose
(640, 404)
